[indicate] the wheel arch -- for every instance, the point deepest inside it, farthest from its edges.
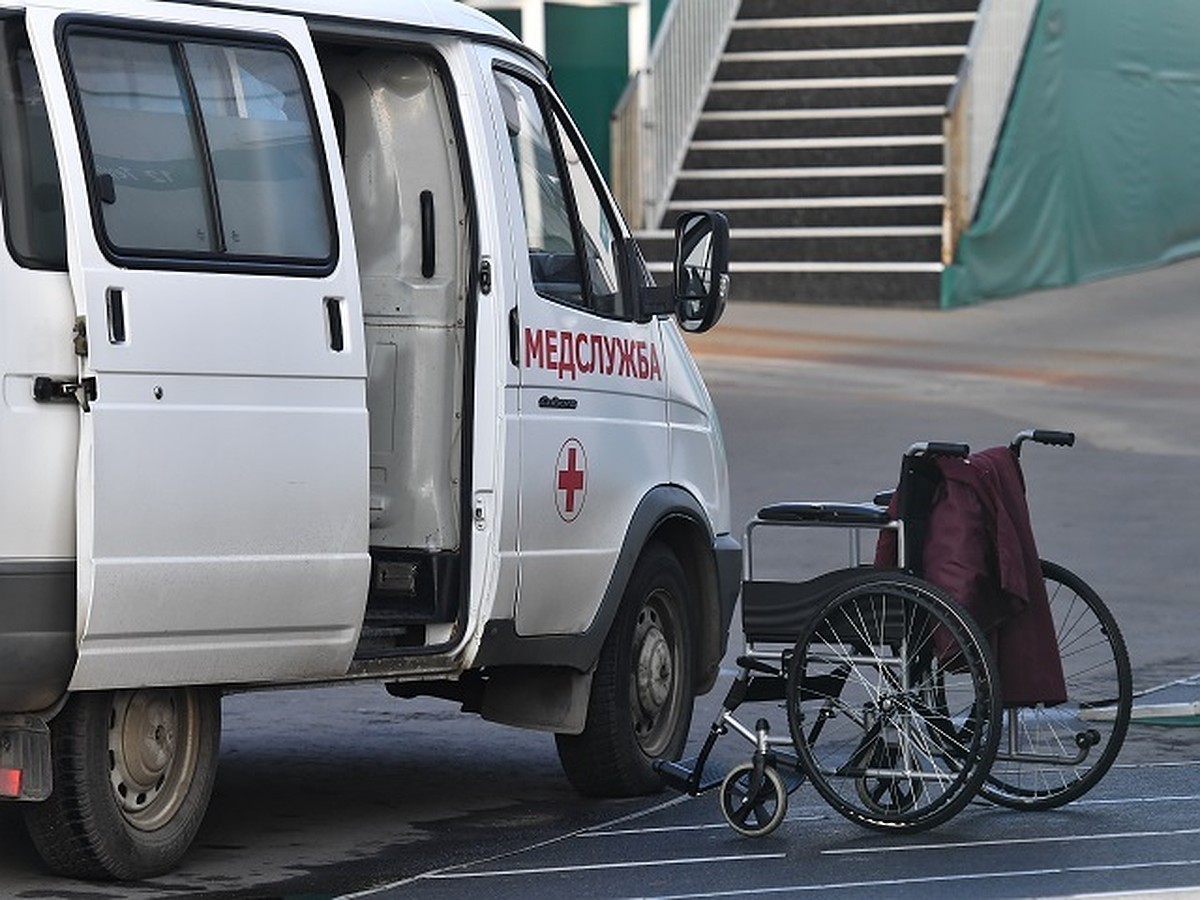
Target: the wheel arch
(692, 543)
(711, 563)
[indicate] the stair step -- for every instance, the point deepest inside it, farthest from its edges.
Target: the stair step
(782, 8)
(830, 93)
(917, 244)
(823, 212)
(838, 54)
(817, 181)
(809, 34)
(821, 143)
(854, 83)
(744, 268)
(705, 191)
(867, 20)
(804, 232)
(821, 113)
(832, 122)
(788, 153)
(843, 63)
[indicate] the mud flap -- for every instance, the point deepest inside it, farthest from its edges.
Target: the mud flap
(26, 771)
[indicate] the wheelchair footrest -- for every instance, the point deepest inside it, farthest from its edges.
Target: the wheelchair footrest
(681, 775)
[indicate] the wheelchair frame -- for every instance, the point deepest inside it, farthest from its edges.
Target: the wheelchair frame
(907, 756)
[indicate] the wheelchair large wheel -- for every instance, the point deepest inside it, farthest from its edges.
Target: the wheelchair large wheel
(892, 705)
(1049, 756)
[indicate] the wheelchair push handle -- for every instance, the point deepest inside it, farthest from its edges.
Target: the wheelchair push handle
(1042, 436)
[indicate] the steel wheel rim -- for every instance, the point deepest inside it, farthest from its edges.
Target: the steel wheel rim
(152, 752)
(656, 688)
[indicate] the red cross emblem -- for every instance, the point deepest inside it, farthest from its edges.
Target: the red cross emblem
(570, 483)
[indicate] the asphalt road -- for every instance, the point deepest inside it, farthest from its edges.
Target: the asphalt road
(334, 791)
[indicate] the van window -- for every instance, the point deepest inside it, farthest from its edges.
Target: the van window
(568, 226)
(201, 149)
(32, 194)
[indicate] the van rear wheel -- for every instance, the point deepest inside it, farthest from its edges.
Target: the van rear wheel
(640, 706)
(133, 773)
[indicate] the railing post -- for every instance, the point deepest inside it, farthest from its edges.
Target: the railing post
(664, 100)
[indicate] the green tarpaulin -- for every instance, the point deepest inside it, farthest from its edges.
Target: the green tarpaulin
(1097, 170)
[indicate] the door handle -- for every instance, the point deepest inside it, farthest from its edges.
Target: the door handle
(114, 303)
(333, 313)
(514, 337)
(428, 246)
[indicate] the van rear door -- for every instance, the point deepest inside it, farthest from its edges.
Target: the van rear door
(222, 482)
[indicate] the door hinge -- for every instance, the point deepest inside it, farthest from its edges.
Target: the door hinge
(80, 339)
(485, 276)
(60, 390)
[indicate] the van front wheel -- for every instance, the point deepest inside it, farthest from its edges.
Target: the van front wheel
(133, 772)
(640, 706)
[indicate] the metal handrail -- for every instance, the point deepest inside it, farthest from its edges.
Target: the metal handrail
(976, 109)
(654, 119)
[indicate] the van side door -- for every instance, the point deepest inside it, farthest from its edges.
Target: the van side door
(222, 483)
(590, 374)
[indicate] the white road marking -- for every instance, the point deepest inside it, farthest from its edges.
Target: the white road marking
(599, 867)
(669, 829)
(1009, 841)
(934, 879)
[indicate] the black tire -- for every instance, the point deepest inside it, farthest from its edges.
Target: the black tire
(891, 704)
(133, 773)
(753, 812)
(640, 705)
(1068, 748)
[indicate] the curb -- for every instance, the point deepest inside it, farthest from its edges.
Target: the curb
(1173, 703)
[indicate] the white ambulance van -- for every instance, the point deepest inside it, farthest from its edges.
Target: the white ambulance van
(327, 356)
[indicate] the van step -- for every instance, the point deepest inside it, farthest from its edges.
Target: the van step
(383, 640)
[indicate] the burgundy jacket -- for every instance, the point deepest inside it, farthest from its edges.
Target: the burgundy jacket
(980, 549)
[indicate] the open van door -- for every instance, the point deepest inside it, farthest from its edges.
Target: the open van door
(222, 480)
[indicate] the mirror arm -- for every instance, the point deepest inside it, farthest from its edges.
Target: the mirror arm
(657, 300)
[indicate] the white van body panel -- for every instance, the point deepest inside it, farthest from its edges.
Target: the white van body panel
(235, 474)
(37, 517)
(224, 386)
(697, 445)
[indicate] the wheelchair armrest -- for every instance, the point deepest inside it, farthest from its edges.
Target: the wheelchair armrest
(811, 512)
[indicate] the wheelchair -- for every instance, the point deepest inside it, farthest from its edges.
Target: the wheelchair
(894, 702)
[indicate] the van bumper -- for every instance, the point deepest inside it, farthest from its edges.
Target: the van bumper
(37, 633)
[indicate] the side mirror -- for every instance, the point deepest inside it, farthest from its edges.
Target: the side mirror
(701, 269)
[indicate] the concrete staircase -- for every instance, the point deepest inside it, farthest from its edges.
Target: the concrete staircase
(821, 139)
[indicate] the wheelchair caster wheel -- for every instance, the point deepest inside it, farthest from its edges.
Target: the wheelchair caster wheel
(750, 809)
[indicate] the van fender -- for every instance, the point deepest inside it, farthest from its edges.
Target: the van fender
(712, 564)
